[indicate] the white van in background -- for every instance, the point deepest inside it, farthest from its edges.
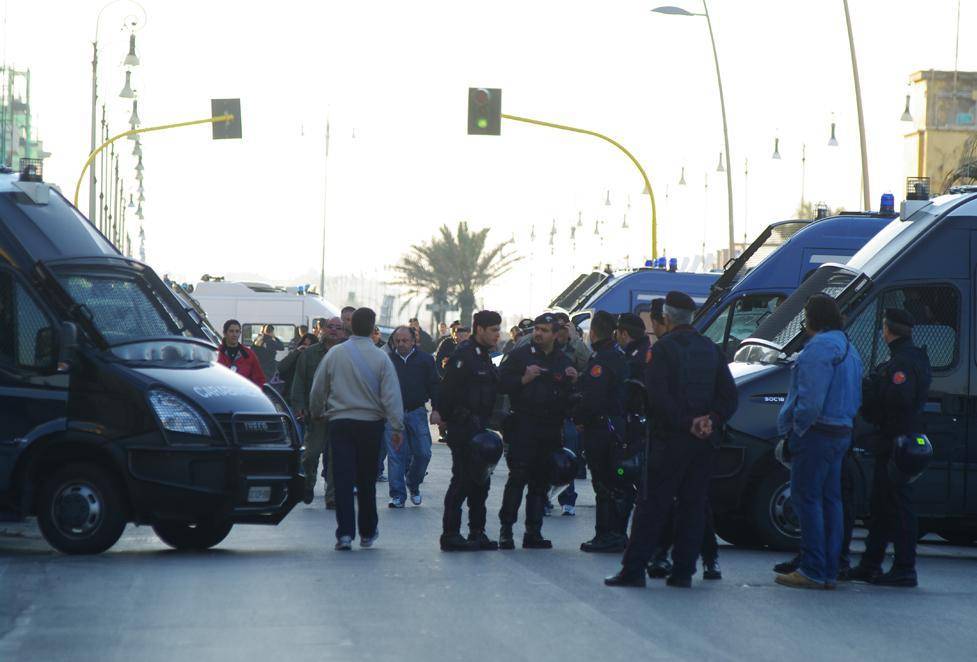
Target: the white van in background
(257, 304)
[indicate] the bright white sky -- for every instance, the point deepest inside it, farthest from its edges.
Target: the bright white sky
(397, 73)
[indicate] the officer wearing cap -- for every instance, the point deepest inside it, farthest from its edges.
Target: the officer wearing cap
(449, 344)
(538, 378)
(657, 316)
(467, 397)
(893, 397)
(601, 415)
(691, 395)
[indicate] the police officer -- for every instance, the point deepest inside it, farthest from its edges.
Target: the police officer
(467, 396)
(538, 378)
(893, 397)
(601, 414)
(691, 395)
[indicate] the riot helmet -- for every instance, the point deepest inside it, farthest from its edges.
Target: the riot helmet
(911, 454)
(561, 469)
(484, 453)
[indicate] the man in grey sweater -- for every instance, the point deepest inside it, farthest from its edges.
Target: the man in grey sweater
(356, 389)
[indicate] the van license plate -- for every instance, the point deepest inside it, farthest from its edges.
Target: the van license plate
(259, 494)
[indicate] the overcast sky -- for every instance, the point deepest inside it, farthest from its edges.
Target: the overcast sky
(395, 75)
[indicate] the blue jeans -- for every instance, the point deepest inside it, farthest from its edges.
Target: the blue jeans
(815, 491)
(406, 467)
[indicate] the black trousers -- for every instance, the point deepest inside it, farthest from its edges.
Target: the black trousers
(893, 520)
(530, 444)
(615, 499)
(710, 546)
(463, 487)
(355, 452)
(678, 473)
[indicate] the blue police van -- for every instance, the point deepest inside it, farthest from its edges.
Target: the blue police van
(924, 263)
(112, 407)
(770, 269)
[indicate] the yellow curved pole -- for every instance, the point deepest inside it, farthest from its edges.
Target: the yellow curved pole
(132, 132)
(644, 176)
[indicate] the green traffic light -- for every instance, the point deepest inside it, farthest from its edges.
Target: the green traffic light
(482, 123)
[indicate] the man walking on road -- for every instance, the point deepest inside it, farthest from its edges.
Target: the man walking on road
(407, 462)
(356, 389)
(331, 333)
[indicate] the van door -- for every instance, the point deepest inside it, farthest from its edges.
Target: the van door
(33, 395)
(937, 309)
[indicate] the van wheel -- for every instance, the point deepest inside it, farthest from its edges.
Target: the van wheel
(772, 513)
(192, 535)
(81, 509)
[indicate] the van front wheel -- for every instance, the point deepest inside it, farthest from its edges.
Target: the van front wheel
(772, 512)
(192, 535)
(81, 509)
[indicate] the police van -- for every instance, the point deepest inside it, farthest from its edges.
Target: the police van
(924, 263)
(113, 408)
(770, 269)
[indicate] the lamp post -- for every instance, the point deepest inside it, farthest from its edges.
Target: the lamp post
(866, 196)
(678, 11)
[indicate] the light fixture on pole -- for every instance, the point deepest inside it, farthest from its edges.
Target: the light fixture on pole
(624, 225)
(131, 203)
(139, 167)
(134, 117)
(126, 92)
(596, 227)
(137, 147)
(906, 115)
(832, 141)
(720, 168)
(140, 190)
(607, 200)
(776, 149)
(579, 219)
(681, 179)
(139, 175)
(139, 212)
(141, 198)
(132, 60)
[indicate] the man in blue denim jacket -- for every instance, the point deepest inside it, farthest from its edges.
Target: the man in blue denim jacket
(825, 394)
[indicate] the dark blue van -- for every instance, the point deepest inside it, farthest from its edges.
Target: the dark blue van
(779, 259)
(923, 262)
(112, 407)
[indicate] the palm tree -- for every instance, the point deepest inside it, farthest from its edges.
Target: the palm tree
(453, 266)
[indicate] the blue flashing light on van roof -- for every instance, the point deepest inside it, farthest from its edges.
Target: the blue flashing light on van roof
(888, 205)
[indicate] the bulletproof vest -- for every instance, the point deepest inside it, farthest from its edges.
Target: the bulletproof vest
(697, 361)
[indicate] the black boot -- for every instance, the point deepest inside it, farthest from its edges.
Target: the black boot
(605, 543)
(533, 537)
(711, 569)
(899, 577)
(627, 577)
(660, 567)
(863, 573)
(454, 542)
(787, 567)
(482, 542)
(505, 538)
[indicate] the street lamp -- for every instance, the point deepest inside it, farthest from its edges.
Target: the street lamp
(720, 168)
(127, 92)
(134, 117)
(866, 196)
(678, 11)
(832, 141)
(681, 179)
(607, 200)
(906, 116)
(776, 149)
(132, 60)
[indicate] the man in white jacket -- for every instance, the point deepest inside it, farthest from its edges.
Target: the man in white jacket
(356, 389)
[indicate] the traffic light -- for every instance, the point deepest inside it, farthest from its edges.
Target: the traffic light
(484, 111)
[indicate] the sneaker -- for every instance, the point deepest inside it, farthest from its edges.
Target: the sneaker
(395, 503)
(368, 542)
(569, 510)
(797, 580)
(415, 499)
(344, 544)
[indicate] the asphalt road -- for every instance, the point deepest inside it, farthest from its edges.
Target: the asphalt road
(282, 593)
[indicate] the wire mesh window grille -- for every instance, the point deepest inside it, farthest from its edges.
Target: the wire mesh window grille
(121, 308)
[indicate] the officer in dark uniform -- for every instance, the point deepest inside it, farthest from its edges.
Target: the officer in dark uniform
(467, 396)
(691, 395)
(538, 378)
(893, 397)
(601, 414)
(448, 345)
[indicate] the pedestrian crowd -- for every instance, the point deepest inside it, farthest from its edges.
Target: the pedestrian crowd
(642, 408)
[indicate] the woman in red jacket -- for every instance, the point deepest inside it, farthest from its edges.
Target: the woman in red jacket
(237, 357)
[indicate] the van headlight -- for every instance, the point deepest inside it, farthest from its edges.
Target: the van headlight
(177, 415)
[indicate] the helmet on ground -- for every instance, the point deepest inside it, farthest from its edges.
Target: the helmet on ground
(484, 453)
(911, 454)
(561, 468)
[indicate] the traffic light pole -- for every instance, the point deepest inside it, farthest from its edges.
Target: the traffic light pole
(644, 176)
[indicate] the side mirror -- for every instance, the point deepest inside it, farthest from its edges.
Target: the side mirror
(69, 343)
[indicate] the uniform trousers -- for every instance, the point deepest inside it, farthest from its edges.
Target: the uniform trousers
(893, 520)
(463, 487)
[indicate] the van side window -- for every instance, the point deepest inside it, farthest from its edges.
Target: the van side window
(27, 340)
(936, 312)
(747, 315)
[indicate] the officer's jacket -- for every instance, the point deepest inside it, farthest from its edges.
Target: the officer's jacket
(548, 396)
(445, 350)
(601, 386)
(893, 396)
(638, 354)
(305, 369)
(470, 384)
(687, 377)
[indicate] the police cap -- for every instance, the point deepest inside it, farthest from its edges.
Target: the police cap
(632, 324)
(548, 318)
(525, 325)
(657, 311)
(899, 316)
(680, 300)
(455, 323)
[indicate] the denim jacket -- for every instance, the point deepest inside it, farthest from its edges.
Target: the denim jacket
(825, 385)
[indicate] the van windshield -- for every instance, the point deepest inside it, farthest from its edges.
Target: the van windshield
(123, 307)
